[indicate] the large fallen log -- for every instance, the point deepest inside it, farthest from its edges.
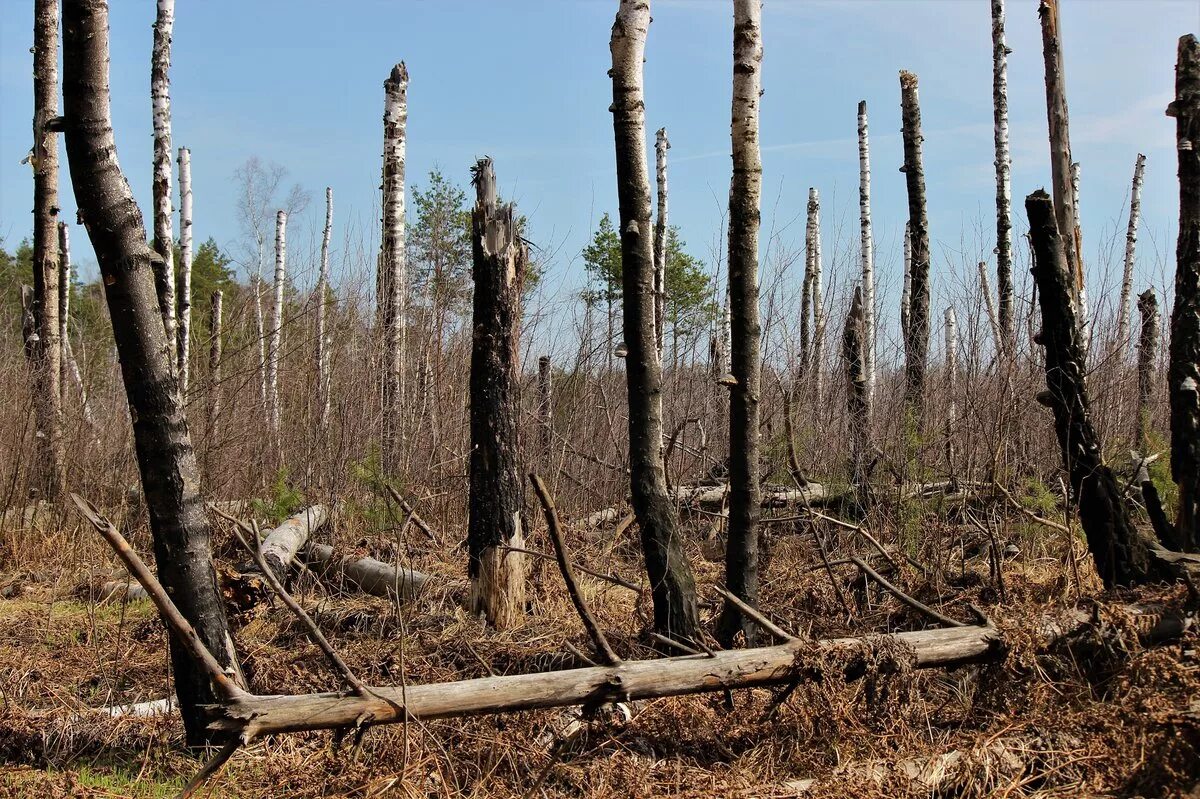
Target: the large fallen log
(281, 545)
(367, 574)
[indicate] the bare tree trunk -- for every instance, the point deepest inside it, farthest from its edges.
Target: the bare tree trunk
(1120, 554)
(806, 303)
(160, 97)
(671, 582)
(322, 353)
(277, 327)
(741, 553)
(868, 253)
(166, 461)
(185, 269)
(393, 277)
(545, 405)
(1135, 212)
(661, 145)
(260, 332)
(47, 354)
(1146, 351)
(1183, 375)
(906, 287)
(214, 369)
(989, 306)
(818, 302)
(916, 340)
(501, 260)
(856, 397)
(1085, 328)
(1006, 341)
(951, 322)
(1060, 147)
(64, 307)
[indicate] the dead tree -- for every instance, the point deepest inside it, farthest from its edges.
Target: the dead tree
(166, 461)
(1183, 375)
(1004, 283)
(916, 339)
(185, 268)
(989, 306)
(806, 303)
(160, 98)
(868, 252)
(1120, 554)
(670, 575)
(951, 330)
(322, 291)
(741, 552)
(818, 301)
(857, 404)
(1060, 149)
(906, 285)
(214, 368)
(46, 364)
(545, 405)
(661, 145)
(500, 260)
(1135, 210)
(391, 285)
(276, 338)
(64, 306)
(1147, 349)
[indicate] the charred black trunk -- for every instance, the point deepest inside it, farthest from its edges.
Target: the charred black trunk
(916, 332)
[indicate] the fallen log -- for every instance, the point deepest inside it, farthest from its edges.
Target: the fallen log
(367, 574)
(280, 546)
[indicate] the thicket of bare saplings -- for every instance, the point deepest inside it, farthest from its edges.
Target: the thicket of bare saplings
(714, 528)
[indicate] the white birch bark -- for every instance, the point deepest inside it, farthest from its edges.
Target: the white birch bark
(64, 302)
(806, 301)
(393, 262)
(818, 308)
(906, 290)
(185, 268)
(277, 322)
(1135, 211)
(322, 353)
(160, 98)
(1003, 163)
(661, 145)
(1085, 329)
(868, 253)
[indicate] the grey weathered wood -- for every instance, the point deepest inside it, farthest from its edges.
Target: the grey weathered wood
(366, 574)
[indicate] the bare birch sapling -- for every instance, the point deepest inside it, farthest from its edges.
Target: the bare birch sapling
(70, 367)
(185, 268)
(276, 333)
(818, 302)
(951, 325)
(322, 353)
(661, 145)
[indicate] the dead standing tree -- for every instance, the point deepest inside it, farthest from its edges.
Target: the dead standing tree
(160, 99)
(166, 461)
(1147, 348)
(916, 335)
(391, 285)
(671, 583)
(745, 494)
(867, 245)
(322, 351)
(1120, 554)
(1183, 375)
(857, 398)
(1004, 283)
(500, 260)
(661, 145)
(46, 363)
(185, 268)
(1135, 209)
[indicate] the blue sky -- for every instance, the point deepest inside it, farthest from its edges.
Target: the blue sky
(299, 83)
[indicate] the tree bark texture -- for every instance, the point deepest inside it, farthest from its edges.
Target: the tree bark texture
(867, 246)
(166, 461)
(322, 352)
(916, 340)
(392, 285)
(661, 145)
(185, 269)
(160, 100)
(1120, 554)
(856, 395)
(64, 308)
(672, 585)
(1004, 282)
(1183, 375)
(1135, 213)
(276, 332)
(906, 283)
(47, 352)
(741, 553)
(1147, 349)
(500, 261)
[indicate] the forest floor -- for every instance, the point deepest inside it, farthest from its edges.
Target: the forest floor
(1122, 722)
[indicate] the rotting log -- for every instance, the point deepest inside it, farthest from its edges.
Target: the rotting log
(367, 574)
(280, 547)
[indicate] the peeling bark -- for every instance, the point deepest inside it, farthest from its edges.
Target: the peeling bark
(671, 583)
(951, 330)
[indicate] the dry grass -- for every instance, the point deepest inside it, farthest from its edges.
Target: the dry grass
(1030, 726)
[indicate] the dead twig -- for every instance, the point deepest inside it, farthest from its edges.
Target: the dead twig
(210, 768)
(768, 625)
(416, 520)
(611, 578)
(903, 597)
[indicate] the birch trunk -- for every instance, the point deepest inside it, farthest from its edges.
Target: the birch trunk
(951, 323)
(1060, 146)
(868, 253)
(160, 98)
(916, 341)
(1006, 341)
(393, 276)
(368, 575)
(545, 405)
(853, 353)
(1085, 328)
(47, 353)
(818, 302)
(277, 325)
(1117, 548)
(1183, 376)
(906, 286)
(500, 261)
(214, 369)
(166, 461)
(806, 326)
(1146, 351)
(661, 145)
(64, 308)
(741, 553)
(672, 586)
(322, 353)
(1135, 212)
(185, 269)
